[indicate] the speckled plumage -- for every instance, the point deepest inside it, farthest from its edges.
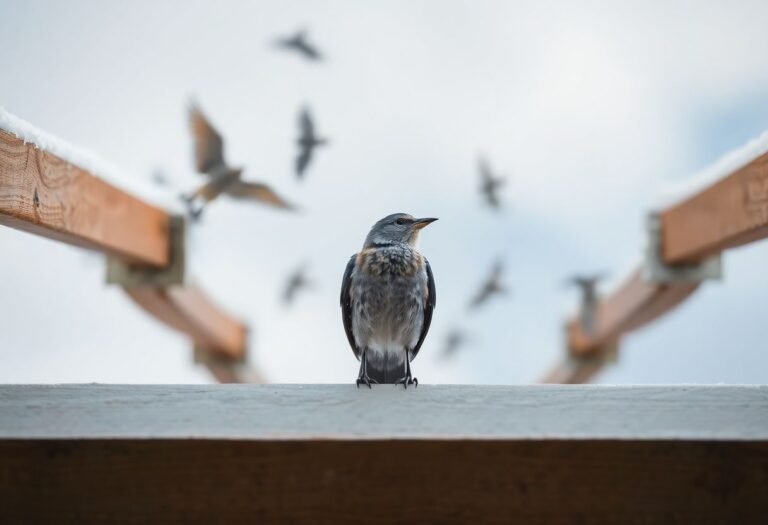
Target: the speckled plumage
(387, 300)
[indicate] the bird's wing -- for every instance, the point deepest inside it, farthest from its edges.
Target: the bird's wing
(429, 306)
(346, 305)
(216, 186)
(209, 146)
(308, 50)
(492, 198)
(305, 124)
(290, 290)
(484, 169)
(258, 192)
(481, 297)
(497, 270)
(302, 160)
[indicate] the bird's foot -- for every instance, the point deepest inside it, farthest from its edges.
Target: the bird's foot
(364, 379)
(408, 380)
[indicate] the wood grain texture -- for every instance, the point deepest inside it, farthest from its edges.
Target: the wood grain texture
(189, 310)
(343, 412)
(729, 213)
(44, 195)
(379, 482)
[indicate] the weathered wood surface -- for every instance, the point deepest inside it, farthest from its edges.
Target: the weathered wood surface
(190, 311)
(336, 454)
(267, 412)
(729, 213)
(44, 195)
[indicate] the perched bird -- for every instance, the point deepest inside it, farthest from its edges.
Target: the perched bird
(489, 184)
(296, 281)
(307, 141)
(209, 159)
(492, 286)
(587, 284)
(453, 341)
(298, 43)
(387, 299)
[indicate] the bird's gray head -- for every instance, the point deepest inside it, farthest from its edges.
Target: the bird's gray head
(398, 228)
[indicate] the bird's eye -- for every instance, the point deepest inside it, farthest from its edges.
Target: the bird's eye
(400, 221)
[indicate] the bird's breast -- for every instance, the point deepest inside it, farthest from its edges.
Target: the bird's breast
(399, 261)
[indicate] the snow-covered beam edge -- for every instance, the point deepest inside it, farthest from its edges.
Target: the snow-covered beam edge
(44, 194)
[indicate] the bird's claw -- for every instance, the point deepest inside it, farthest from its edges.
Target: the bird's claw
(364, 379)
(408, 380)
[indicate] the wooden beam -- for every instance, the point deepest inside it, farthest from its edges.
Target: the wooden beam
(449, 454)
(547, 481)
(385, 412)
(189, 310)
(731, 212)
(42, 194)
(636, 303)
(633, 305)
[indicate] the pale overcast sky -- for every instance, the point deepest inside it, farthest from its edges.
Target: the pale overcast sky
(589, 109)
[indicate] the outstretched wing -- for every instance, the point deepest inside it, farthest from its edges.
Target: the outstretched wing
(429, 305)
(346, 305)
(258, 192)
(302, 160)
(308, 50)
(209, 146)
(216, 186)
(306, 125)
(484, 169)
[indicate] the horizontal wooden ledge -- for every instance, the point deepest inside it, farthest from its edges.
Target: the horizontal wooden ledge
(308, 412)
(193, 481)
(45, 195)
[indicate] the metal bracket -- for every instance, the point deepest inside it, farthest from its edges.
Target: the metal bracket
(656, 270)
(133, 276)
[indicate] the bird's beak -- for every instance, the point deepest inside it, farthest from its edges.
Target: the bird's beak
(421, 223)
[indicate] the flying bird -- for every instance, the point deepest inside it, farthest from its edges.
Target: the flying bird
(587, 285)
(296, 281)
(307, 141)
(209, 159)
(298, 43)
(453, 341)
(489, 184)
(387, 299)
(492, 286)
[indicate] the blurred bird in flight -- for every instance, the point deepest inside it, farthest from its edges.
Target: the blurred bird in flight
(587, 285)
(307, 141)
(453, 341)
(296, 281)
(489, 184)
(299, 44)
(209, 159)
(492, 286)
(387, 299)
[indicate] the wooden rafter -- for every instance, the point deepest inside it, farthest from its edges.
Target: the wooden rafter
(45, 195)
(728, 213)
